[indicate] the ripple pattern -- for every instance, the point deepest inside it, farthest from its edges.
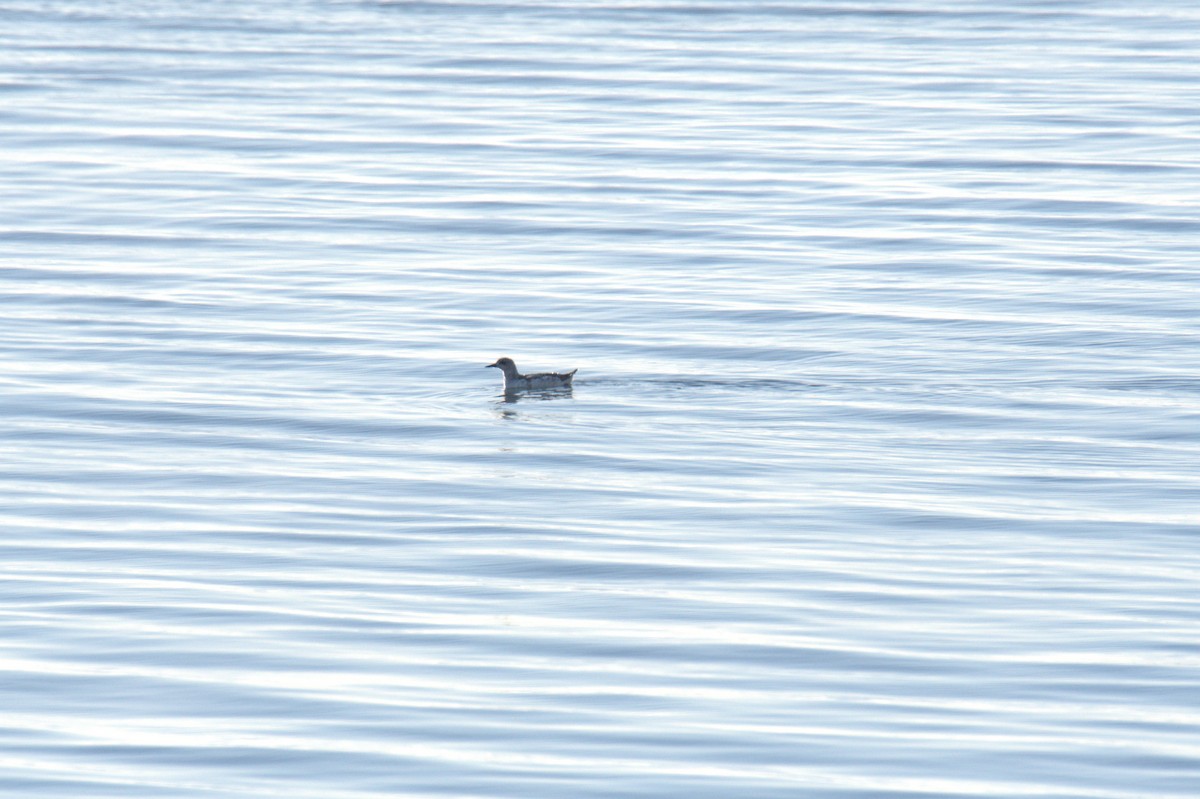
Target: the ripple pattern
(878, 480)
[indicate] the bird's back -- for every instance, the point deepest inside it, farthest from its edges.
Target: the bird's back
(550, 379)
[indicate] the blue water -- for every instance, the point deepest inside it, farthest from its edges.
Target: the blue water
(881, 473)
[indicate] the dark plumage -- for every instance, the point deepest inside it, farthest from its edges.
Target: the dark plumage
(515, 381)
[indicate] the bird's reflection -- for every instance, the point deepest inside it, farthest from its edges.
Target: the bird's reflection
(505, 404)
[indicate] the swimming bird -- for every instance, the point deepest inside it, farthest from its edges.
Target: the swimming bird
(515, 381)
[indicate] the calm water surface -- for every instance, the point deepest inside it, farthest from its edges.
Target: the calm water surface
(881, 473)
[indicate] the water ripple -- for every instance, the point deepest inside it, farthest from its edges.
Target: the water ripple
(878, 478)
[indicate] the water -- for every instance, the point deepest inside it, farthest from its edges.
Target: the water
(879, 477)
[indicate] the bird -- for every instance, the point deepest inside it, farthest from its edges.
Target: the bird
(515, 381)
